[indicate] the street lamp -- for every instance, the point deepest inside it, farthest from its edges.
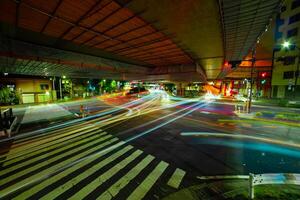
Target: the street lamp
(286, 45)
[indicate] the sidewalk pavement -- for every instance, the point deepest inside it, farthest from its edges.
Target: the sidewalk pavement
(234, 189)
(253, 116)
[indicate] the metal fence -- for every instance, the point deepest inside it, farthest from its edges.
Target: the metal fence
(6, 119)
(265, 179)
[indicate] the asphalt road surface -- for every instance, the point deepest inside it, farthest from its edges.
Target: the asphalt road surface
(140, 148)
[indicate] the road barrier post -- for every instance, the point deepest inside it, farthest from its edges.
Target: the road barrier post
(251, 186)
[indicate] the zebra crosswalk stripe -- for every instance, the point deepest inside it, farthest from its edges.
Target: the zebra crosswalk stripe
(22, 149)
(149, 181)
(27, 162)
(47, 134)
(56, 145)
(57, 166)
(58, 191)
(121, 183)
(176, 178)
(105, 176)
(26, 194)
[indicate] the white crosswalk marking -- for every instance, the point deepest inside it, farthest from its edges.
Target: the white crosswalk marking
(91, 140)
(50, 147)
(146, 185)
(28, 145)
(121, 183)
(77, 179)
(176, 178)
(104, 177)
(52, 168)
(41, 162)
(59, 176)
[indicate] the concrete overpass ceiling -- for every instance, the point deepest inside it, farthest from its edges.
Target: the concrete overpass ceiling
(102, 24)
(244, 22)
(147, 33)
(194, 24)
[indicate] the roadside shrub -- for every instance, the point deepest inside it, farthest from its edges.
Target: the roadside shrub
(280, 116)
(258, 114)
(283, 102)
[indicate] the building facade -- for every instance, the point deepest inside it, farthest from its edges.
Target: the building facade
(30, 90)
(285, 76)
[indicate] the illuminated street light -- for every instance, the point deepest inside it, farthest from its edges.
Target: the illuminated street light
(64, 76)
(286, 44)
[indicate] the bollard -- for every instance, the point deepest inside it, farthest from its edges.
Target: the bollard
(251, 186)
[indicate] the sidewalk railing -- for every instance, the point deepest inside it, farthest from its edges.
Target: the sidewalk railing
(266, 179)
(259, 179)
(7, 120)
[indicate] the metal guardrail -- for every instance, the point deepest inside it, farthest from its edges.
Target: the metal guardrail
(6, 119)
(265, 179)
(259, 179)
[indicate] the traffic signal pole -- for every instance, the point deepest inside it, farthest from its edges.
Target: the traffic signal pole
(251, 83)
(297, 74)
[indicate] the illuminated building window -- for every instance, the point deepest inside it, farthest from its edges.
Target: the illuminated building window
(289, 60)
(288, 75)
(292, 32)
(44, 86)
(294, 18)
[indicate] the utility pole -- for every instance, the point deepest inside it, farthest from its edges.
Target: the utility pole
(297, 74)
(252, 71)
(60, 91)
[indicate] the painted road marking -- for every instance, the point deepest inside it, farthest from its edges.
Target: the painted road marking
(38, 138)
(92, 140)
(44, 135)
(121, 183)
(40, 144)
(61, 175)
(58, 191)
(45, 173)
(146, 185)
(104, 177)
(59, 144)
(27, 162)
(176, 178)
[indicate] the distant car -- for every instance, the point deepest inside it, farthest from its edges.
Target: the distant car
(137, 91)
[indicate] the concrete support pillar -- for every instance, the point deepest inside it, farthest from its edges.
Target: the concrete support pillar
(180, 87)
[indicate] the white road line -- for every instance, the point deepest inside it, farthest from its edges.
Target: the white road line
(98, 181)
(61, 175)
(42, 143)
(176, 178)
(29, 161)
(58, 191)
(121, 183)
(46, 172)
(146, 185)
(55, 146)
(45, 163)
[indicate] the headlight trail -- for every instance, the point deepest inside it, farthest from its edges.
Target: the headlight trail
(239, 136)
(198, 105)
(190, 109)
(105, 112)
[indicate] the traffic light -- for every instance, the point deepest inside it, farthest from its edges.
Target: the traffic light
(263, 81)
(263, 74)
